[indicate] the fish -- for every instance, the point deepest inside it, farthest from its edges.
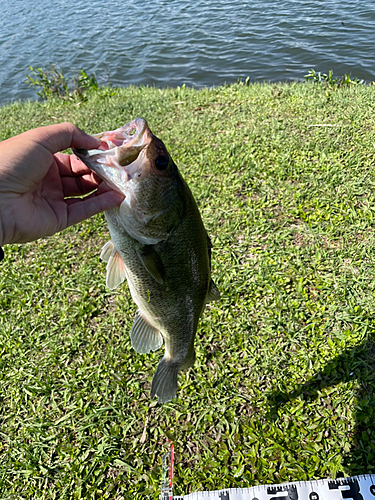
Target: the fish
(158, 244)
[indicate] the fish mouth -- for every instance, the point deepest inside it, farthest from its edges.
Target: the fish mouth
(131, 133)
(118, 149)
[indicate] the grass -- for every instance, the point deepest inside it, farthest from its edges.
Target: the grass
(283, 388)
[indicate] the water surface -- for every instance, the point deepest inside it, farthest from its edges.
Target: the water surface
(175, 42)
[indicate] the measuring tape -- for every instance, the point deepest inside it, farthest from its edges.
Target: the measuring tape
(355, 488)
(352, 488)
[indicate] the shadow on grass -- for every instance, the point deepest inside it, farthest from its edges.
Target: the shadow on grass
(357, 363)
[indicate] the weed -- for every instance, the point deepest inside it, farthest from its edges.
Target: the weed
(246, 83)
(332, 82)
(53, 83)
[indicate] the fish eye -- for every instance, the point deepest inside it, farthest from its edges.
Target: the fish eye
(162, 162)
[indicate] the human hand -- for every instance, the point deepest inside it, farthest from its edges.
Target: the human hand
(36, 183)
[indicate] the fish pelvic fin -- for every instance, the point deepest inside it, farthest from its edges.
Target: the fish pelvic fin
(213, 292)
(144, 337)
(107, 251)
(164, 383)
(152, 262)
(116, 270)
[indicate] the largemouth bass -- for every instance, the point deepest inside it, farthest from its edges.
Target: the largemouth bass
(158, 243)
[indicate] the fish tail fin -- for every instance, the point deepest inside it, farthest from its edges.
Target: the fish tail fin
(164, 383)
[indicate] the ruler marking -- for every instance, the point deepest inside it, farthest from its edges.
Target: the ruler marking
(348, 488)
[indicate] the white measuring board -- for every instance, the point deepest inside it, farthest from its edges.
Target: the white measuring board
(354, 488)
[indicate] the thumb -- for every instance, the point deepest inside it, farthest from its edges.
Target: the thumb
(62, 136)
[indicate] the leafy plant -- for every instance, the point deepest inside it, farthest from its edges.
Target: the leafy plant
(330, 81)
(53, 83)
(86, 82)
(246, 83)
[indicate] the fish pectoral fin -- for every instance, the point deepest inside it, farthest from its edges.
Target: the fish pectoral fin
(152, 262)
(116, 270)
(164, 383)
(107, 251)
(213, 292)
(144, 337)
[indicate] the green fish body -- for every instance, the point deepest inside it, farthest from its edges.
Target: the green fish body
(159, 244)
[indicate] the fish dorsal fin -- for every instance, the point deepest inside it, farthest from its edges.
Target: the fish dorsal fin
(116, 270)
(213, 292)
(107, 251)
(152, 262)
(144, 337)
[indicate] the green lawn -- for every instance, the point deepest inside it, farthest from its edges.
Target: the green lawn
(283, 388)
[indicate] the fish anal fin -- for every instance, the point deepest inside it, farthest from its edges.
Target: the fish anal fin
(213, 292)
(164, 383)
(152, 262)
(116, 270)
(107, 251)
(144, 337)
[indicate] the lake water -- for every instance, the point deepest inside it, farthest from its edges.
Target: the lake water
(173, 42)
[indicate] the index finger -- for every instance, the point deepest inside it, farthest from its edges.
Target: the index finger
(71, 165)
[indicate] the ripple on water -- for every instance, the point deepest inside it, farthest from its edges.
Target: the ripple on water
(201, 43)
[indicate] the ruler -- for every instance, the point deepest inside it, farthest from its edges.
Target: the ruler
(354, 488)
(351, 488)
